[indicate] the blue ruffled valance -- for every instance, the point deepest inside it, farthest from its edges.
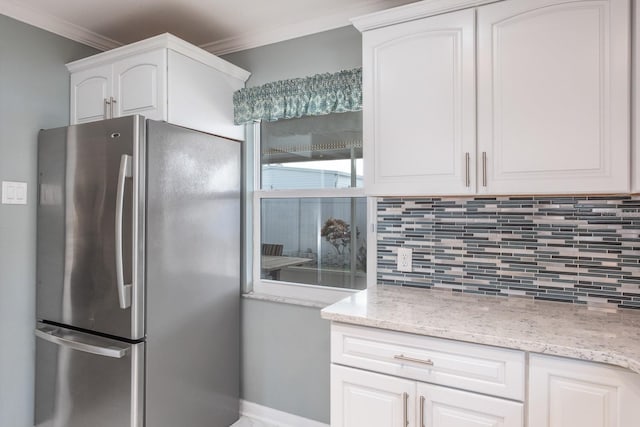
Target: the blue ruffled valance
(312, 96)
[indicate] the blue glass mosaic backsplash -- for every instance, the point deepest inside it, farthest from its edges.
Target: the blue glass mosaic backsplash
(583, 250)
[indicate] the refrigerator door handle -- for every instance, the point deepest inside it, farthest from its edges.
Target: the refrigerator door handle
(124, 291)
(51, 335)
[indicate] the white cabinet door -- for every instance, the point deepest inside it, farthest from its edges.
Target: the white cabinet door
(90, 90)
(553, 96)
(361, 398)
(419, 106)
(140, 85)
(572, 393)
(446, 407)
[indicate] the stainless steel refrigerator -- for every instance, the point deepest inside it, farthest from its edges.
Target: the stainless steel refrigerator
(138, 263)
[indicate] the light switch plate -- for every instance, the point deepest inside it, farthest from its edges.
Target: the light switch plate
(14, 193)
(405, 256)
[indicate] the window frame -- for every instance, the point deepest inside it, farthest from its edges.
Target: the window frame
(293, 290)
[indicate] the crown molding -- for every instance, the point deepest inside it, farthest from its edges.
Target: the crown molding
(340, 19)
(248, 40)
(413, 11)
(161, 41)
(48, 22)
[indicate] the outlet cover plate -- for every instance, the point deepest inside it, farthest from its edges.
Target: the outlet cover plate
(404, 259)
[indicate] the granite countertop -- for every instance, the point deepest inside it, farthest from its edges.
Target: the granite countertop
(553, 328)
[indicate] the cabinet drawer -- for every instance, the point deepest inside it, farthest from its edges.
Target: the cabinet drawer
(484, 369)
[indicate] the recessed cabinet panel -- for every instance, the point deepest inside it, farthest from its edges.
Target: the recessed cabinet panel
(419, 106)
(360, 398)
(571, 393)
(89, 91)
(140, 85)
(553, 96)
(446, 407)
(424, 129)
(580, 402)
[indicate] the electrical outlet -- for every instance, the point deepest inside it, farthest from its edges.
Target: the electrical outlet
(404, 259)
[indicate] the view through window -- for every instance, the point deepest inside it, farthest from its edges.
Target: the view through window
(312, 215)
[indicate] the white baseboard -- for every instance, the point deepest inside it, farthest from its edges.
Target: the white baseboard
(275, 417)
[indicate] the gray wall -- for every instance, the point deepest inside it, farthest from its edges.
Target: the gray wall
(285, 352)
(286, 360)
(34, 94)
(327, 52)
(286, 348)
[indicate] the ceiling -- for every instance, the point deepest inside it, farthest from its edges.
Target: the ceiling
(219, 26)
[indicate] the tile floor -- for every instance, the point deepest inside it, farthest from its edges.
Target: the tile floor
(249, 422)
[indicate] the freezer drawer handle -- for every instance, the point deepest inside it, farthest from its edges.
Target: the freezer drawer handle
(117, 353)
(124, 291)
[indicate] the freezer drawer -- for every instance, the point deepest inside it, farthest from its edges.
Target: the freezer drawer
(86, 380)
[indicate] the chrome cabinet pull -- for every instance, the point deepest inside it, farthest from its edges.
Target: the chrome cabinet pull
(124, 291)
(411, 359)
(484, 168)
(467, 177)
(107, 108)
(113, 103)
(422, 399)
(405, 410)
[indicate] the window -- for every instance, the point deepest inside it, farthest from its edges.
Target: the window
(312, 152)
(310, 213)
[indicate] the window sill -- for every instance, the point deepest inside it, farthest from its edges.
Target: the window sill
(298, 294)
(285, 300)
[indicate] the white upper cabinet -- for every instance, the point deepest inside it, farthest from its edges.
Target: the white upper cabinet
(90, 92)
(553, 96)
(161, 78)
(546, 83)
(133, 85)
(419, 104)
(571, 393)
(138, 85)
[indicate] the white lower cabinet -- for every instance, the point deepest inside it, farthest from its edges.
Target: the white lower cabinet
(388, 379)
(361, 398)
(447, 407)
(572, 393)
(382, 378)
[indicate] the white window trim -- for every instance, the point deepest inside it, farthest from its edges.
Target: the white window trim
(300, 291)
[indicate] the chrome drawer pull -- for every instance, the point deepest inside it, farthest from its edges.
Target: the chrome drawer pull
(411, 359)
(405, 412)
(484, 168)
(107, 105)
(467, 176)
